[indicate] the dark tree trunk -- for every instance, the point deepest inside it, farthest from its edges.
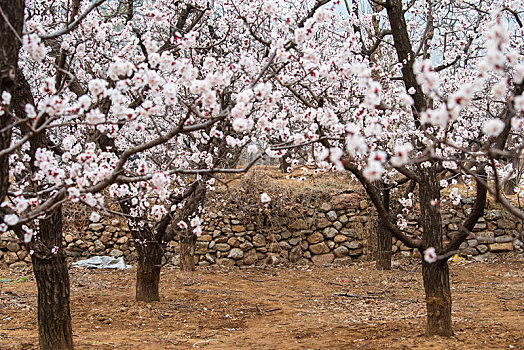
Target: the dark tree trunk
(187, 250)
(435, 275)
(383, 248)
(52, 278)
(438, 298)
(186, 236)
(148, 271)
(9, 47)
(384, 245)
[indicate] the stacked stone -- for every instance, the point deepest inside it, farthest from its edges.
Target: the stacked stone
(106, 238)
(322, 235)
(335, 231)
(11, 253)
(492, 225)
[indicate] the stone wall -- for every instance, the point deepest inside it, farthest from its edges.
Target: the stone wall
(333, 231)
(324, 233)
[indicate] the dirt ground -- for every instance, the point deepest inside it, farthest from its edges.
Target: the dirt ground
(351, 307)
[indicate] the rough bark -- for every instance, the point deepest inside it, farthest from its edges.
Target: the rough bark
(9, 48)
(187, 250)
(150, 253)
(435, 275)
(187, 238)
(383, 235)
(148, 271)
(438, 298)
(52, 278)
(48, 258)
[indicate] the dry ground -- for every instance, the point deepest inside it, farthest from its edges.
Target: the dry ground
(353, 307)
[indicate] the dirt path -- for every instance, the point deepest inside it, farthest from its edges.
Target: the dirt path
(352, 307)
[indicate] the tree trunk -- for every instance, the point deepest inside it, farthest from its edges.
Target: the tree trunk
(438, 298)
(13, 10)
(187, 250)
(52, 278)
(284, 164)
(384, 245)
(435, 275)
(148, 271)
(383, 249)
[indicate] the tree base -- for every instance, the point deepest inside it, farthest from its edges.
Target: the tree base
(147, 283)
(54, 318)
(438, 298)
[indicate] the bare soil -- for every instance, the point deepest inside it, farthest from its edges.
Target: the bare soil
(351, 307)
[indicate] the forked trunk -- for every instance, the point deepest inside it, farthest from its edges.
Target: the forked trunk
(52, 278)
(148, 272)
(435, 275)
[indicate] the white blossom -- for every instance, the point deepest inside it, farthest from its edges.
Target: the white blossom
(264, 198)
(493, 127)
(430, 255)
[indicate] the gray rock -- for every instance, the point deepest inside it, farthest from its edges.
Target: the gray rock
(326, 206)
(473, 242)
(294, 241)
(284, 245)
(285, 234)
(341, 252)
(353, 245)
(330, 232)
(236, 253)
(246, 246)
(322, 223)
(259, 240)
(272, 259)
(332, 215)
(116, 253)
(505, 224)
(482, 248)
(96, 226)
(469, 251)
(99, 246)
(493, 215)
(10, 257)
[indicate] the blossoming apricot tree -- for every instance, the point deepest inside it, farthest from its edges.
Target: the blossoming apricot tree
(406, 92)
